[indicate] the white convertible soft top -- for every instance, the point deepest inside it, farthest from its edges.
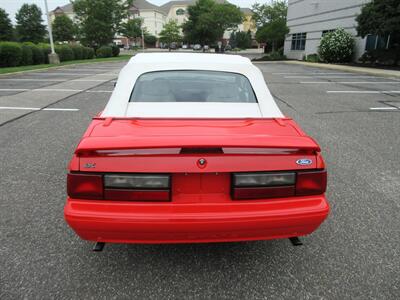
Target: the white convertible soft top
(119, 105)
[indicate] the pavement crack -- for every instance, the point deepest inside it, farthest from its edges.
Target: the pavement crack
(283, 101)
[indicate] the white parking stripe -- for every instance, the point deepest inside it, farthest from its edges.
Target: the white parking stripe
(75, 74)
(53, 80)
(37, 108)
(55, 90)
(330, 76)
(383, 108)
(311, 73)
(95, 91)
(363, 92)
(13, 90)
(346, 82)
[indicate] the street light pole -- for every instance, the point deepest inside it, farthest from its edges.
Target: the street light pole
(141, 27)
(53, 56)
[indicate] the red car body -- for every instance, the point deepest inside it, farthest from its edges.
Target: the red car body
(201, 159)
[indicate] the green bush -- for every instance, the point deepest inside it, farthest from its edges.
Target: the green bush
(10, 54)
(277, 55)
(381, 56)
(27, 55)
(115, 50)
(78, 51)
(104, 51)
(46, 49)
(336, 46)
(312, 58)
(64, 52)
(90, 53)
(37, 53)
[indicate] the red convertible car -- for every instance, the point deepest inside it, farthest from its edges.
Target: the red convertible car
(193, 148)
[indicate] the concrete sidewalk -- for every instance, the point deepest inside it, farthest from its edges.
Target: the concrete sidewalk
(371, 71)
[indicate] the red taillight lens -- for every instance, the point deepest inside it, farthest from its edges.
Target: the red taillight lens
(275, 185)
(311, 183)
(85, 186)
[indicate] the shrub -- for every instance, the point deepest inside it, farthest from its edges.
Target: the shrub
(27, 55)
(104, 51)
(10, 54)
(90, 53)
(37, 53)
(312, 58)
(46, 49)
(381, 56)
(115, 50)
(64, 52)
(276, 55)
(336, 46)
(78, 51)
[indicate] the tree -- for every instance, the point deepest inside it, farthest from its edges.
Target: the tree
(150, 39)
(29, 24)
(381, 18)
(265, 13)
(240, 39)
(100, 20)
(132, 29)
(271, 23)
(63, 29)
(209, 20)
(273, 32)
(6, 29)
(170, 33)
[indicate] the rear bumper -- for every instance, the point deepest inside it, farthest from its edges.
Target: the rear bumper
(122, 222)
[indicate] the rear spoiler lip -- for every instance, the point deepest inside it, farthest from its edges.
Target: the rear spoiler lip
(154, 142)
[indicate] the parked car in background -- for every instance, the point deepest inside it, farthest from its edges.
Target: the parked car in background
(206, 48)
(173, 46)
(197, 47)
(193, 148)
(228, 47)
(184, 46)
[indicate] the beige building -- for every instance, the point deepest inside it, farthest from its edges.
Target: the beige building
(154, 17)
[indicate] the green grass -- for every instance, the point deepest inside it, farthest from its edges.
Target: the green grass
(66, 63)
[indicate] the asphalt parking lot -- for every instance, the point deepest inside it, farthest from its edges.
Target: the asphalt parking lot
(354, 255)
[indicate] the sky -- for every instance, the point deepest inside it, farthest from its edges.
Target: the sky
(12, 6)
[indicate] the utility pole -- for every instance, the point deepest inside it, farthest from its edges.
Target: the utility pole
(53, 56)
(141, 27)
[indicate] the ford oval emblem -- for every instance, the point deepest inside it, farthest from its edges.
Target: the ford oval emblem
(304, 162)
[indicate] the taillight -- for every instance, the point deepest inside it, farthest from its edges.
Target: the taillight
(123, 187)
(85, 186)
(274, 185)
(137, 187)
(311, 183)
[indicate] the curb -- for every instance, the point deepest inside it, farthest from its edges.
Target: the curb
(370, 71)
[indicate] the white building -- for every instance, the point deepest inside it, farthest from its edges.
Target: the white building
(309, 20)
(154, 17)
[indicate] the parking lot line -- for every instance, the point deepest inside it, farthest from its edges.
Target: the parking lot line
(310, 73)
(328, 76)
(37, 108)
(346, 82)
(55, 90)
(363, 92)
(384, 108)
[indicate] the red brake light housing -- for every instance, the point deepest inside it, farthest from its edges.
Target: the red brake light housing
(122, 187)
(275, 185)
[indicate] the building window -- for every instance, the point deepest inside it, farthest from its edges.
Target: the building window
(180, 12)
(299, 41)
(377, 42)
(327, 31)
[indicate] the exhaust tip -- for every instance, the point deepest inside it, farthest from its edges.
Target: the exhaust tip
(296, 241)
(98, 247)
